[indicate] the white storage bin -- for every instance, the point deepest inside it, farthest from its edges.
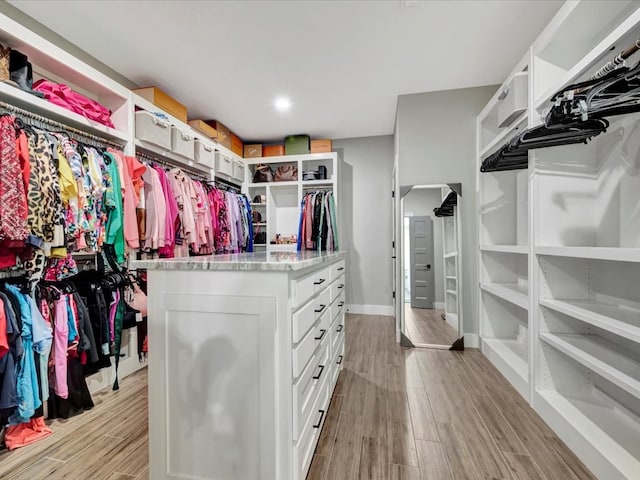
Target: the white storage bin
(205, 153)
(182, 143)
(224, 165)
(513, 100)
(153, 129)
(238, 170)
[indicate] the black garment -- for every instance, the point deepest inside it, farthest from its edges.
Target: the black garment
(79, 398)
(88, 343)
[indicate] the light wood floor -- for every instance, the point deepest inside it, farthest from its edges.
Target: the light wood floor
(396, 414)
(109, 442)
(425, 325)
(430, 414)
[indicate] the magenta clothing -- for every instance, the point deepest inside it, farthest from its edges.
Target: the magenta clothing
(171, 218)
(60, 344)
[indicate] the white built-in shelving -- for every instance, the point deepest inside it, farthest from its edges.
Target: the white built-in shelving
(559, 251)
(282, 208)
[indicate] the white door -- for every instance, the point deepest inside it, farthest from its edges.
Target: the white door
(422, 266)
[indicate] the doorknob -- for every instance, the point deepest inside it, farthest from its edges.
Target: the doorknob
(428, 266)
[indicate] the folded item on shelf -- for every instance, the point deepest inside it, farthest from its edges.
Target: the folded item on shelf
(63, 96)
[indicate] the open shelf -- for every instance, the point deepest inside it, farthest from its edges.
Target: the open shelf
(606, 358)
(503, 208)
(510, 358)
(520, 249)
(452, 277)
(40, 106)
(317, 183)
(452, 292)
(258, 204)
(511, 292)
(596, 253)
(599, 420)
(617, 319)
(506, 134)
(581, 43)
(451, 255)
(605, 431)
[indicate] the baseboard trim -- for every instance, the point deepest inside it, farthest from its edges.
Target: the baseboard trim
(386, 310)
(471, 340)
(438, 305)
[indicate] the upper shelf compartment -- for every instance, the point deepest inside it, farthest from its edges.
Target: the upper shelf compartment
(506, 112)
(564, 51)
(52, 63)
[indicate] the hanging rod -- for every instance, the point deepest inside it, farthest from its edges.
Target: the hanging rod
(28, 117)
(227, 183)
(160, 161)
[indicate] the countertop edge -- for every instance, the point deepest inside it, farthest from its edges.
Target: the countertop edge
(237, 265)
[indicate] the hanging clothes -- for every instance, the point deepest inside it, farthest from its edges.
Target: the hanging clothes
(318, 227)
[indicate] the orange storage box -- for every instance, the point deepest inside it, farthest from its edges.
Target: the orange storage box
(202, 127)
(272, 150)
(237, 146)
(164, 101)
(224, 134)
(321, 146)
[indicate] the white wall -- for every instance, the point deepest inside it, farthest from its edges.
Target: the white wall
(365, 206)
(436, 139)
(421, 202)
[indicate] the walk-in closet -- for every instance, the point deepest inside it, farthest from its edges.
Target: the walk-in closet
(309, 240)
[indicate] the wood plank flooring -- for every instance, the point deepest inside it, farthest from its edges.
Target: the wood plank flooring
(448, 416)
(426, 325)
(396, 414)
(109, 442)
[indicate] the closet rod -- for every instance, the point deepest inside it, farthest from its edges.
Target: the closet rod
(28, 117)
(160, 161)
(226, 183)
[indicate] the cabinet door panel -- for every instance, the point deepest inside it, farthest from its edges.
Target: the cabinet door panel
(212, 397)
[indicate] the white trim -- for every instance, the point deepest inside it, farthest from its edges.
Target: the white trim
(438, 305)
(386, 310)
(471, 340)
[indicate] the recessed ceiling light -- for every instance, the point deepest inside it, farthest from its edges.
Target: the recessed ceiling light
(282, 104)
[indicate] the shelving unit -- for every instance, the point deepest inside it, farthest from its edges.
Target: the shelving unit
(503, 238)
(282, 208)
(584, 261)
(451, 227)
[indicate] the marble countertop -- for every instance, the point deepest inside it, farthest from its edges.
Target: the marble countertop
(259, 261)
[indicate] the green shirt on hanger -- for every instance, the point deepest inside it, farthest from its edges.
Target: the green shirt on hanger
(113, 204)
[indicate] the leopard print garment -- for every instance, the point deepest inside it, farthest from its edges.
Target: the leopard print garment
(43, 196)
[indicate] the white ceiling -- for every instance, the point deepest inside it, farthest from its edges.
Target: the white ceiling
(343, 63)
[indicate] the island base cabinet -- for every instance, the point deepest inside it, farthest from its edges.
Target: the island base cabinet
(211, 389)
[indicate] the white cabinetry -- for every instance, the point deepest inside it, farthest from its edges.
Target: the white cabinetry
(560, 252)
(243, 372)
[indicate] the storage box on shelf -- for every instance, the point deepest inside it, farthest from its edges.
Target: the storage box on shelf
(181, 141)
(163, 101)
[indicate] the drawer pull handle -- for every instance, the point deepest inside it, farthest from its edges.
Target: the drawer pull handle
(317, 377)
(339, 361)
(341, 304)
(341, 285)
(317, 425)
(340, 327)
(322, 307)
(340, 269)
(319, 282)
(324, 330)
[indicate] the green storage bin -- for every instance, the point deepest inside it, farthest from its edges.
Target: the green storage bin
(297, 144)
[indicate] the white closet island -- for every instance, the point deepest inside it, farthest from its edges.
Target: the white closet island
(246, 350)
